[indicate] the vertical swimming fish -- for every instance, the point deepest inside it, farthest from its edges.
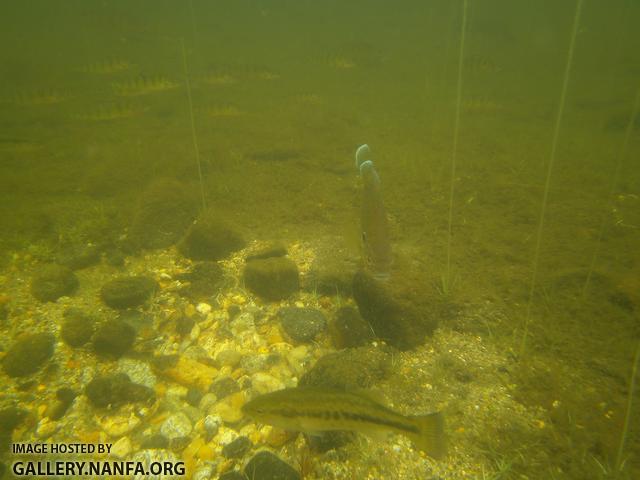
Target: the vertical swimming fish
(375, 226)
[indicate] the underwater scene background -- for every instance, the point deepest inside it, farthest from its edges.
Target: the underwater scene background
(181, 231)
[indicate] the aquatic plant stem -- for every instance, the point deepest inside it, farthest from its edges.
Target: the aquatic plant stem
(456, 134)
(627, 415)
(547, 183)
(614, 182)
(194, 135)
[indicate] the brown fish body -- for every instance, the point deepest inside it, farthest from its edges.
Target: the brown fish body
(375, 225)
(313, 410)
(376, 241)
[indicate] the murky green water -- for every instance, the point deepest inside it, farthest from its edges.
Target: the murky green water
(509, 171)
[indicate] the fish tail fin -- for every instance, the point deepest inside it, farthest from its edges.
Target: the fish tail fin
(430, 437)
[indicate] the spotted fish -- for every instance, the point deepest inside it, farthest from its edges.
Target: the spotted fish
(313, 410)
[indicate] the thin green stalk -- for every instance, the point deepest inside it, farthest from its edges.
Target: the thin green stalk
(547, 183)
(456, 134)
(194, 136)
(627, 416)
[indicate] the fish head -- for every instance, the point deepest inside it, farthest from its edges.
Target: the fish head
(260, 408)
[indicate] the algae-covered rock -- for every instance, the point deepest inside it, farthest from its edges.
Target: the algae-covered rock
(272, 278)
(53, 282)
(77, 327)
(114, 338)
(10, 418)
(116, 390)
(224, 387)
(349, 329)
(302, 324)
(350, 369)
(270, 251)
(184, 324)
(203, 281)
(392, 310)
(64, 399)
(28, 354)
(128, 292)
(211, 237)
(237, 447)
(264, 465)
(332, 270)
(164, 212)
(78, 257)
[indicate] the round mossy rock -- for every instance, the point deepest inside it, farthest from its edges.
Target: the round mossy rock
(128, 292)
(114, 338)
(28, 354)
(115, 390)
(211, 238)
(348, 328)
(273, 278)
(53, 282)
(265, 465)
(302, 324)
(77, 327)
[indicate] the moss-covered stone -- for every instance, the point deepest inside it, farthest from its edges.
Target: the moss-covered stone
(184, 324)
(28, 354)
(272, 278)
(78, 257)
(394, 310)
(270, 251)
(237, 448)
(52, 282)
(64, 399)
(128, 292)
(348, 328)
(202, 282)
(211, 237)
(116, 390)
(332, 271)
(350, 369)
(10, 418)
(164, 212)
(114, 338)
(77, 327)
(264, 465)
(224, 387)
(302, 324)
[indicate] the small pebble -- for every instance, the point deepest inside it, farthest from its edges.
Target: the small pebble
(121, 448)
(264, 383)
(203, 308)
(177, 425)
